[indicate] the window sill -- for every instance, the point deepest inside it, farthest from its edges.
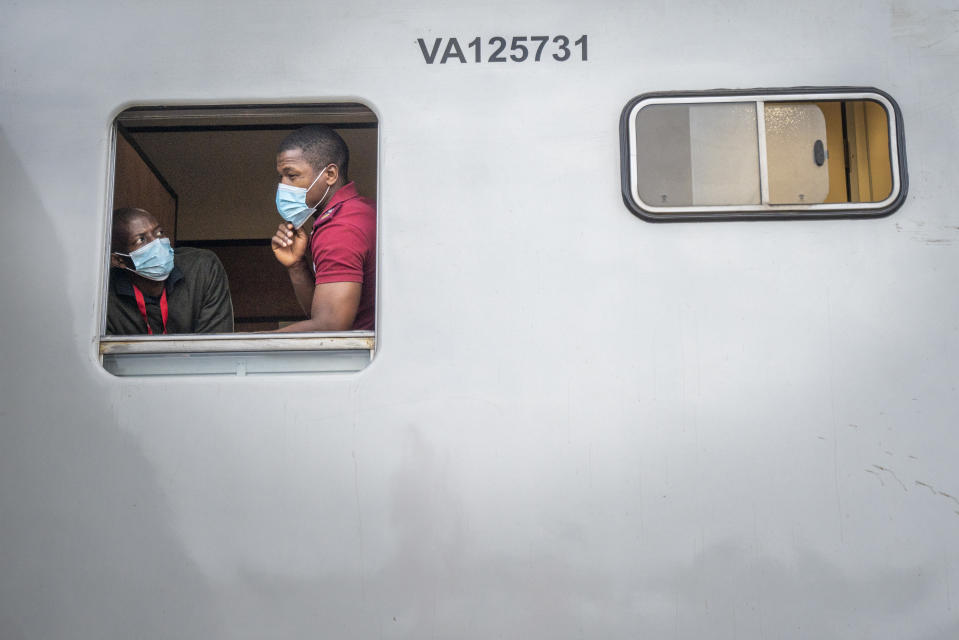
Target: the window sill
(237, 354)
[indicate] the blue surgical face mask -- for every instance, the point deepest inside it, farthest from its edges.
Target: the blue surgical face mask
(291, 201)
(153, 261)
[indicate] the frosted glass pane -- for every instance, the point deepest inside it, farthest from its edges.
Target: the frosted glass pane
(699, 154)
(798, 171)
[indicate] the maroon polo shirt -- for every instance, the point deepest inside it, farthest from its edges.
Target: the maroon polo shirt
(343, 245)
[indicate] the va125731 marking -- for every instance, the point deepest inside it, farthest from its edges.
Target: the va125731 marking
(521, 49)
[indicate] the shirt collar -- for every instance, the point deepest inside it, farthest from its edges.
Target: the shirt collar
(346, 192)
(124, 286)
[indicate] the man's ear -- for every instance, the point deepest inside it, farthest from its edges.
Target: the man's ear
(117, 261)
(331, 174)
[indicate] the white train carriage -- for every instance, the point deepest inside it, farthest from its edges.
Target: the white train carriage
(666, 334)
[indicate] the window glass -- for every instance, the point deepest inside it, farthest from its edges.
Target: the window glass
(796, 153)
(698, 154)
(743, 154)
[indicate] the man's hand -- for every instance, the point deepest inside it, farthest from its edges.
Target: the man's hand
(289, 245)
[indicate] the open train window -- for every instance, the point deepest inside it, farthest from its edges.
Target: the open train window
(208, 176)
(794, 153)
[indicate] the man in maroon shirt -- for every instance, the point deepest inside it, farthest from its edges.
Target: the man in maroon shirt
(335, 283)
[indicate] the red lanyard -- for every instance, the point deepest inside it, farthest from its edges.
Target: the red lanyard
(142, 306)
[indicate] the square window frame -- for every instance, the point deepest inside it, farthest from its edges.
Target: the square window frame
(233, 354)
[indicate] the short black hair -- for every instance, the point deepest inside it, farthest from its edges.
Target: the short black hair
(121, 222)
(321, 146)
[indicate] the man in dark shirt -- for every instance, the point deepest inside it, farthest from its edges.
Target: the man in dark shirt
(155, 289)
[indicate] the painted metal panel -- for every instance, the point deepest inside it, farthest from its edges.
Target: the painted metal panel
(576, 424)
